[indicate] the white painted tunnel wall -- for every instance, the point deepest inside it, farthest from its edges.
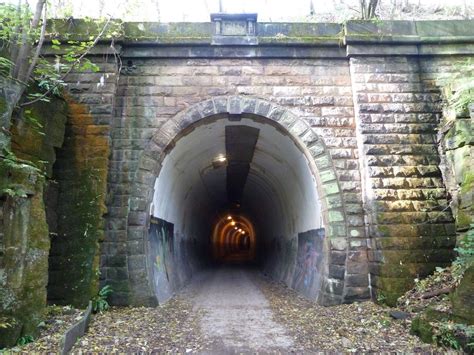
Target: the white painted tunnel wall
(280, 194)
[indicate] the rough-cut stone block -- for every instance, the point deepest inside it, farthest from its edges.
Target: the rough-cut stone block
(337, 272)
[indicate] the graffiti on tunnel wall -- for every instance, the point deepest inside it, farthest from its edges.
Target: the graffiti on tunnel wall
(161, 244)
(306, 277)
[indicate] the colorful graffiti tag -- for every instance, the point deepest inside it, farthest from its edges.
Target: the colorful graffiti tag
(306, 277)
(161, 245)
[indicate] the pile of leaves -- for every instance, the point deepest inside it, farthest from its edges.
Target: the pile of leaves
(172, 327)
(58, 320)
(430, 292)
(356, 327)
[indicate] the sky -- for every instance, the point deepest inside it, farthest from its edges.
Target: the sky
(199, 10)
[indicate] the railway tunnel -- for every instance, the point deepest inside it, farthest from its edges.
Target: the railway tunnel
(236, 189)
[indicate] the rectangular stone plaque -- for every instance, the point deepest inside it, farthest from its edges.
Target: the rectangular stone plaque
(234, 29)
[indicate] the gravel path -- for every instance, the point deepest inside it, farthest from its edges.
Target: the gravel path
(233, 310)
(236, 315)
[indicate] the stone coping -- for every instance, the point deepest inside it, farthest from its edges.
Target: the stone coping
(289, 40)
(351, 32)
(409, 32)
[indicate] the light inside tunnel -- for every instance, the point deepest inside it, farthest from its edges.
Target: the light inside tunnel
(255, 207)
(233, 244)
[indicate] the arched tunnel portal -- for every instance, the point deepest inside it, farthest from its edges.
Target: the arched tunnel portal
(236, 188)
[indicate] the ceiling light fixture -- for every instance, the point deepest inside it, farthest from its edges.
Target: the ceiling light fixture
(219, 160)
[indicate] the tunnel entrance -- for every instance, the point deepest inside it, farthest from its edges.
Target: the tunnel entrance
(236, 189)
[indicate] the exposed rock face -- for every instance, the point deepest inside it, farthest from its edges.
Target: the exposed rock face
(458, 144)
(25, 241)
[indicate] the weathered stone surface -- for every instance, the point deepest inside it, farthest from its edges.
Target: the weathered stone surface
(462, 300)
(81, 171)
(401, 171)
(24, 239)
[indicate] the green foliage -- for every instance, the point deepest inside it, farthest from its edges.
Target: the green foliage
(5, 323)
(458, 86)
(33, 121)
(12, 164)
(14, 192)
(50, 76)
(99, 302)
(444, 335)
(465, 251)
(16, 32)
(25, 339)
(465, 248)
(448, 334)
(13, 19)
(6, 66)
(381, 299)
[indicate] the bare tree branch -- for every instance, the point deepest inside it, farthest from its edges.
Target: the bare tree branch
(34, 60)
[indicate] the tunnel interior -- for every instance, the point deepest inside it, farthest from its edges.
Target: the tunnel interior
(238, 190)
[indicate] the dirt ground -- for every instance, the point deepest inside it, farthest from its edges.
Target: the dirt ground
(232, 310)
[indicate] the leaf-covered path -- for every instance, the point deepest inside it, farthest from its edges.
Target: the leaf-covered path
(232, 310)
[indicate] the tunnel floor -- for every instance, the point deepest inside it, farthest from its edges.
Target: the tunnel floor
(232, 309)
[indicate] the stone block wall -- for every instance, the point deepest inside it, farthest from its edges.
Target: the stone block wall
(153, 91)
(81, 174)
(409, 221)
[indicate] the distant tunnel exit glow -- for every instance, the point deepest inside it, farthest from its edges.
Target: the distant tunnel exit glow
(233, 239)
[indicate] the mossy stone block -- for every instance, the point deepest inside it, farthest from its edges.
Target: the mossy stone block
(462, 298)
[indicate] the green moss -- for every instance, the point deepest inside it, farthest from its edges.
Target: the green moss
(421, 327)
(429, 326)
(462, 298)
(82, 175)
(463, 220)
(38, 133)
(83, 29)
(392, 288)
(167, 33)
(467, 184)
(26, 234)
(26, 263)
(3, 104)
(76, 247)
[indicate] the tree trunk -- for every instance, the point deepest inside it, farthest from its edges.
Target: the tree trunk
(368, 8)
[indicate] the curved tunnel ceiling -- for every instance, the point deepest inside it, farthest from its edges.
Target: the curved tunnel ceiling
(240, 165)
